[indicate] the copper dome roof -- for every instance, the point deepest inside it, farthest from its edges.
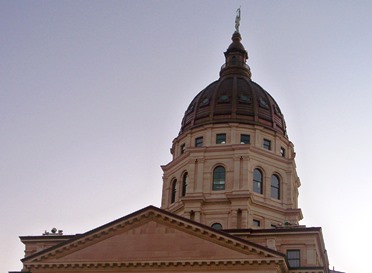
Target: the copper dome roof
(234, 97)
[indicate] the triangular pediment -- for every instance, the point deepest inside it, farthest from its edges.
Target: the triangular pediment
(150, 236)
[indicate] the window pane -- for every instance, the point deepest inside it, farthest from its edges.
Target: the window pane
(217, 226)
(220, 138)
(219, 178)
(282, 152)
(184, 184)
(257, 181)
(275, 187)
(267, 144)
(245, 139)
(174, 189)
(293, 254)
(199, 142)
(293, 257)
(274, 193)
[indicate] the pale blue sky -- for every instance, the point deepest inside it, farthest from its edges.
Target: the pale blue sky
(92, 94)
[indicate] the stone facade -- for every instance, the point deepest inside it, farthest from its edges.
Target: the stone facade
(155, 240)
(239, 161)
(229, 200)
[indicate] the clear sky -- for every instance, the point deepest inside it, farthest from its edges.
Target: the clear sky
(92, 94)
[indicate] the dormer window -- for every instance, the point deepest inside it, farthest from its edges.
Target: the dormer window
(223, 99)
(263, 103)
(244, 99)
(204, 102)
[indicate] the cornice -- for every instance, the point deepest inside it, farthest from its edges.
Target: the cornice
(140, 217)
(255, 200)
(270, 154)
(157, 264)
(299, 230)
(175, 161)
(308, 270)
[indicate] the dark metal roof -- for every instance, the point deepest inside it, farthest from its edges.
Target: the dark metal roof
(234, 97)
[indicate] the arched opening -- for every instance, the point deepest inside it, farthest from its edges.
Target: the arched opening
(217, 226)
(173, 191)
(275, 187)
(257, 181)
(219, 175)
(184, 184)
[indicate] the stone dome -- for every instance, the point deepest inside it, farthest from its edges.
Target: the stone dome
(234, 97)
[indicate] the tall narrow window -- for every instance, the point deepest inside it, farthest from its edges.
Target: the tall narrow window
(267, 144)
(184, 184)
(183, 148)
(293, 257)
(199, 142)
(275, 187)
(174, 190)
(220, 138)
(282, 151)
(257, 181)
(245, 139)
(219, 178)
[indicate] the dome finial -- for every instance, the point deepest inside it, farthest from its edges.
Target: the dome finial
(236, 56)
(237, 20)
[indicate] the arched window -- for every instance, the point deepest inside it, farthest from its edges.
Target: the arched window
(217, 226)
(174, 190)
(219, 178)
(257, 181)
(275, 187)
(233, 60)
(184, 184)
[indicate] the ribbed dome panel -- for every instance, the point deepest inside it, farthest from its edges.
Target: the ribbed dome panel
(234, 99)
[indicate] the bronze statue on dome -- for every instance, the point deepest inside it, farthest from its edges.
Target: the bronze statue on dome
(237, 20)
